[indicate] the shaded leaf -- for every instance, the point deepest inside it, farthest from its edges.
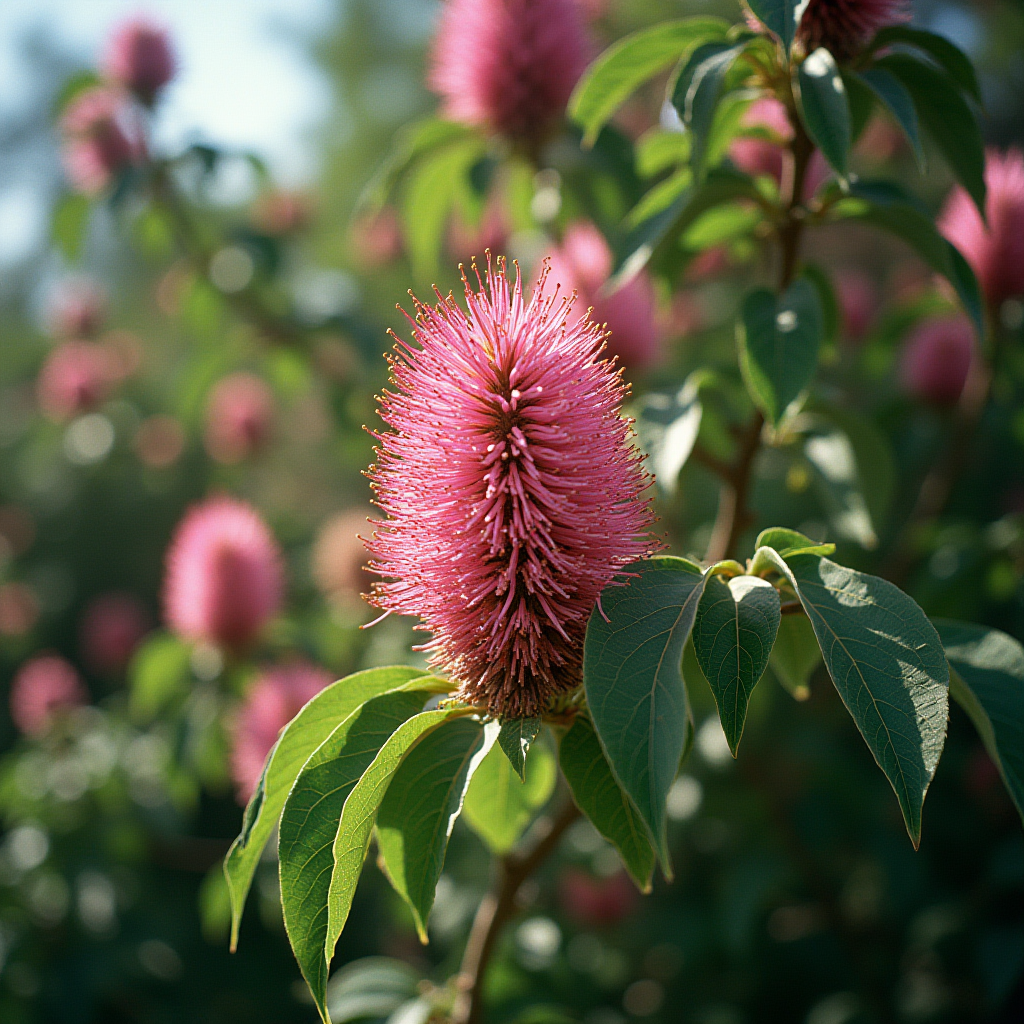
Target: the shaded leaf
(374, 987)
(158, 672)
(635, 692)
(825, 109)
(733, 635)
(603, 801)
(515, 738)
(499, 805)
(630, 62)
(898, 101)
(950, 57)
(69, 224)
(987, 681)
(667, 426)
(780, 16)
(796, 655)
(839, 482)
(790, 542)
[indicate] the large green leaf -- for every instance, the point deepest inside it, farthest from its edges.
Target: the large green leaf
(987, 681)
(949, 120)
(796, 655)
(306, 731)
(309, 824)
(698, 90)
(825, 109)
(779, 340)
(667, 426)
(893, 93)
(603, 801)
(359, 816)
(733, 636)
(635, 691)
(158, 673)
(419, 809)
(499, 805)
(630, 62)
(781, 16)
(886, 661)
(515, 738)
(947, 55)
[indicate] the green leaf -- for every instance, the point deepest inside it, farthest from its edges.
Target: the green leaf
(789, 542)
(987, 681)
(159, 672)
(862, 102)
(886, 661)
(359, 816)
(780, 16)
(515, 738)
(721, 225)
(599, 796)
(499, 805)
(433, 186)
(658, 151)
(635, 691)
(796, 655)
(70, 221)
(630, 62)
(419, 809)
(825, 109)
(733, 636)
(310, 727)
(831, 315)
(373, 987)
(779, 339)
(948, 56)
(840, 484)
(948, 118)
(698, 90)
(893, 93)
(667, 426)
(310, 823)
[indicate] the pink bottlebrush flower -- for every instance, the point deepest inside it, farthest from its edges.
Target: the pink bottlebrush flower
(225, 577)
(995, 252)
(339, 557)
(858, 303)
(239, 417)
(512, 491)
(583, 263)
(508, 65)
(936, 359)
(845, 26)
(41, 688)
(140, 58)
(111, 628)
(77, 377)
(101, 138)
(277, 696)
(77, 309)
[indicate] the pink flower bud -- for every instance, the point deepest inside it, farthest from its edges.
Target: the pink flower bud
(845, 26)
(239, 417)
(77, 309)
(139, 58)
(858, 303)
(936, 359)
(583, 262)
(508, 65)
(596, 902)
(340, 557)
(41, 688)
(277, 696)
(225, 577)
(159, 441)
(281, 212)
(111, 628)
(995, 252)
(78, 376)
(101, 139)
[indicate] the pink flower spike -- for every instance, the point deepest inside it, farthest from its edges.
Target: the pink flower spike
(508, 65)
(225, 577)
(77, 309)
(277, 696)
(239, 418)
(78, 376)
(112, 626)
(511, 488)
(936, 359)
(140, 58)
(845, 26)
(42, 688)
(996, 252)
(101, 138)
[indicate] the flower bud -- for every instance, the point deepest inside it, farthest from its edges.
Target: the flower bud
(936, 359)
(41, 688)
(100, 139)
(340, 557)
(77, 377)
(139, 58)
(239, 418)
(858, 303)
(77, 309)
(112, 626)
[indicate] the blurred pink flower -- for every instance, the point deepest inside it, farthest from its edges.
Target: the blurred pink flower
(40, 689)
(111, 628)
(77, 309)
(77, 377)
(512, 490)
(995, 252)
(339, 557)
(282, 212)
(225, 577)
(858, 300)
(140, 58)
(936, 359)
(583, 262)
(492, 232)
(101, 138)
(845, 26)
(19, 609)
(239, 417)
(508, 65)
(276, 697)
(596, 902)
(377, 238)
